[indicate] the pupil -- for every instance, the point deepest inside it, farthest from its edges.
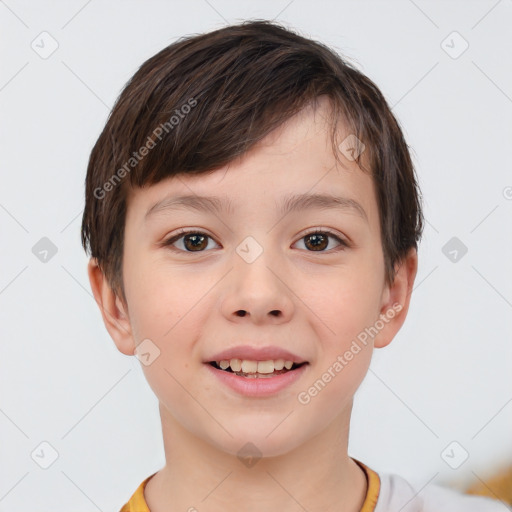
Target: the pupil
(318, 241)
(196, 241)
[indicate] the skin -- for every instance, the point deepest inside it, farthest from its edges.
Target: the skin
(186, 303)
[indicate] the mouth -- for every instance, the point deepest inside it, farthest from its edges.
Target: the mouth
(256, 369)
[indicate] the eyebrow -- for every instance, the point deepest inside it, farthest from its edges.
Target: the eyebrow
(290, 203)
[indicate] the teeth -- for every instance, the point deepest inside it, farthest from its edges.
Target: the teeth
(236, 364)
(278, 364)
(265, 366)
(248, 366)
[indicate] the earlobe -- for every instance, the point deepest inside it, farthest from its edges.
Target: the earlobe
(113, 311)
(396, 299)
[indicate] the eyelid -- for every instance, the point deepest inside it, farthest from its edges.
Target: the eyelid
(327, 231)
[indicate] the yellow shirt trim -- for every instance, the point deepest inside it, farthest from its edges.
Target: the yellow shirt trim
(372, 494)
(137, 502)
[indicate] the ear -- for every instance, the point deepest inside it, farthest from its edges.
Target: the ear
(396, 299)
(113, 311)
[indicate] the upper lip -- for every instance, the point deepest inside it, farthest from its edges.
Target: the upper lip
(251, 353)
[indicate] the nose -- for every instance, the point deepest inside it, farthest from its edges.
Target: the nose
(257, 293)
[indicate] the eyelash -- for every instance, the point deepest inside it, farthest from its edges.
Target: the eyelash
(168, 243)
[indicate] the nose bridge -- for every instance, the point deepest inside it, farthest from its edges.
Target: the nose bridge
(256, 289)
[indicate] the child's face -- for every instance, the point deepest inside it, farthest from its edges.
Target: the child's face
(313, 304)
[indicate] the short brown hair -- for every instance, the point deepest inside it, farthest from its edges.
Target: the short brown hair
(226, 90)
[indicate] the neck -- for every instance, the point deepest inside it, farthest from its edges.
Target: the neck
(315, 476)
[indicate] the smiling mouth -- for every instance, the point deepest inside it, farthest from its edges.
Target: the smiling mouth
(256, 374)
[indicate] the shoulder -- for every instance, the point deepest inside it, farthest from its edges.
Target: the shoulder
(397, 494)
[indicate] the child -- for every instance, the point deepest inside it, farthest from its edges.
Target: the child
(252, 215)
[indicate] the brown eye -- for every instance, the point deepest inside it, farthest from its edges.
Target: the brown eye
(318, 241)
(195, 242)
(191, 241)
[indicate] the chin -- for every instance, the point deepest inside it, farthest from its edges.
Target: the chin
(260, 440)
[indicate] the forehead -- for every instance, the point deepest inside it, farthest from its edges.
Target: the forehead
(293, 168)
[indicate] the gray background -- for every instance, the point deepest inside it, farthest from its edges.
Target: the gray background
(445, 377)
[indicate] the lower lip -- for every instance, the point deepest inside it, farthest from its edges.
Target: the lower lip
(257, 387)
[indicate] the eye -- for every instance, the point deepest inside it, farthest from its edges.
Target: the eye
(197, 241)
(193, 241)
(318, 240)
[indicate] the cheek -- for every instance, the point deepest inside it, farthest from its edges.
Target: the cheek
(169, 306)
(162, 297)
(346, 303)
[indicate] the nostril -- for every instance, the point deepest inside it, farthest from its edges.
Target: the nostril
(241, 313)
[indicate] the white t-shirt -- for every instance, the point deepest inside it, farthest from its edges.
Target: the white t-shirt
(397, 495)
